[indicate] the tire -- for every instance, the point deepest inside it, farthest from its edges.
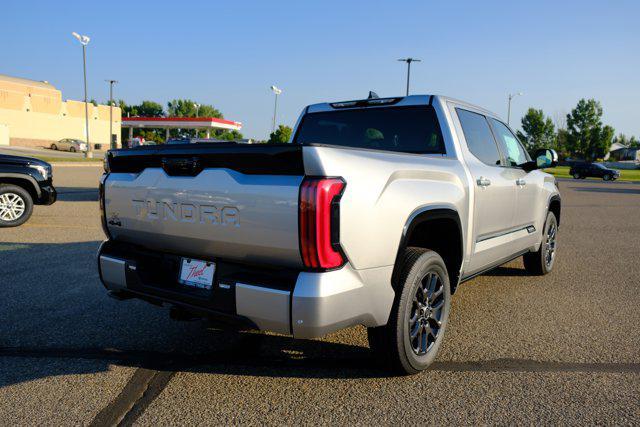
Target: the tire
(54, 147)
(16, 205)
(72, 149)
(576, 175)
(541, 262)
(607, 177)
(419, 270)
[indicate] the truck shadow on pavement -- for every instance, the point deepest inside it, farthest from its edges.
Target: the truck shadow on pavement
(77, 194)
(57, 320)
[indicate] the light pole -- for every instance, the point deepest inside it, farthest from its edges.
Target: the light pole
(511, 96)
(112, 143)
(409, 61)
(197, 107)
(277, 92)
(84, 41)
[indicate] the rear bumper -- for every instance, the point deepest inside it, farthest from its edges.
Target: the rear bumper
(303, 304)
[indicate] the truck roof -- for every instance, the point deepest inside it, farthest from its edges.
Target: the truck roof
(395, 100)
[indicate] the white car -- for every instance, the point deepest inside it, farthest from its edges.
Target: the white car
(69, 144)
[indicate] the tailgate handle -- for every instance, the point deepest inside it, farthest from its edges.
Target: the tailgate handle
(182, 166)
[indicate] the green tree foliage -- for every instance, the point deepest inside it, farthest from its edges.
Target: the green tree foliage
(538, 130)
(586, 135)
(150, 109)
(280, 135)
(187, 108)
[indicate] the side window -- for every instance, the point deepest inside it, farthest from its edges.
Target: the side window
(479, 137)
(513, 151)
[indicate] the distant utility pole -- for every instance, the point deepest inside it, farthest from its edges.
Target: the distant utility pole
(84, 41)
(511, 96)
(276, 91)
(112, 143)
(409, 61)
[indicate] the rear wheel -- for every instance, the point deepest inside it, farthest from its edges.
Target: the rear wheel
(541, 262)
(576, 175)
(409, 343)
(16, 205)
(54, 147)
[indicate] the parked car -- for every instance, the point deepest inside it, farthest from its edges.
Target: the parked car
(68, 144)
(594, 170)
(374, 215)
(23, 182)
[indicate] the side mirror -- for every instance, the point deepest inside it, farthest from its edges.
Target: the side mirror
(546, 158)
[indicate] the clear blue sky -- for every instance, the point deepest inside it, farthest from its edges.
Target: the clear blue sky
(229, 53)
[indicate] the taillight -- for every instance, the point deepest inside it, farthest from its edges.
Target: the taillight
(320, 222)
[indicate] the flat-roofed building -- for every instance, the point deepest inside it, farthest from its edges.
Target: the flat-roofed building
(33, 114)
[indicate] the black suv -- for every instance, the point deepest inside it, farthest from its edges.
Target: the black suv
(23, 182)
(595, 170)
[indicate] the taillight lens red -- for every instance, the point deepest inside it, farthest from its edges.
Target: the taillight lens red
(319, 222)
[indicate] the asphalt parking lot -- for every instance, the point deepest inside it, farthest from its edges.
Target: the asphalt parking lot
(564, 348)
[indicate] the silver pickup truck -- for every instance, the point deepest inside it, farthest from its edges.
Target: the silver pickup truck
(372, 215)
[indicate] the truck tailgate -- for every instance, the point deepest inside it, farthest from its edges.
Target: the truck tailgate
(221, 206)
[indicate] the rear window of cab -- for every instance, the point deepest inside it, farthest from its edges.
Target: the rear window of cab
(412, 129)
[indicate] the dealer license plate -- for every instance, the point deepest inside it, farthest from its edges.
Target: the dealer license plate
(197, 273)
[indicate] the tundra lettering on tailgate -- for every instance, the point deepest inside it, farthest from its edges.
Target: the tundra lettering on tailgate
(167, 210)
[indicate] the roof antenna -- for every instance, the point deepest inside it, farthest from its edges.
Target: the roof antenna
(372, 95)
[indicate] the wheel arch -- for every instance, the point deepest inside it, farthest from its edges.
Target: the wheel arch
(438, 228)
(24, 181)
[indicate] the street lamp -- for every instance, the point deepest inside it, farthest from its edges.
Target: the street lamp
(409, 61)
(197, 107)
(84, 41)
(112, 143)
(511, 96)
(277, 92)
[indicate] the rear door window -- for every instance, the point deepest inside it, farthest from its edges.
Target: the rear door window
(412, 129)
(479, 137)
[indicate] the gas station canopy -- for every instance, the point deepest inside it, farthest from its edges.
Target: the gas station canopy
(180, 122)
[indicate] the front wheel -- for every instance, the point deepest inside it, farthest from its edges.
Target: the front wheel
(410, 341)
(72, 149)
(607, 177)
(541, 262)
(576, 175)
(54, 147)
(16, 205)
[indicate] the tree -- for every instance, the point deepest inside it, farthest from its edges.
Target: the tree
(150, 109)
(187, 108)
(280, 135)
(228, 135)
(538, 131)
(586, 136)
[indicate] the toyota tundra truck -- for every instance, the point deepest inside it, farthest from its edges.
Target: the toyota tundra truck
(373, 214)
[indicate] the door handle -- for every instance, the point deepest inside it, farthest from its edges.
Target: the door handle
(483, 182)
(521, 182)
